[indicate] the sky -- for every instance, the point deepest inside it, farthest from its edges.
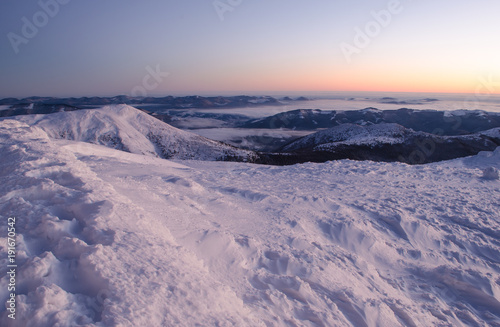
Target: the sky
(166, 47)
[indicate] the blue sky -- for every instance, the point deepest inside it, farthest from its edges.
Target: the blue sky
(110, 47)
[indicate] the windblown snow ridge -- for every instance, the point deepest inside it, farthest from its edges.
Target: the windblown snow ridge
(88, 256)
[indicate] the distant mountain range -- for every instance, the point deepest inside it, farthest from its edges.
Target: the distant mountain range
(404, 135)
(459, 122)
(384, 142)
(42, 105)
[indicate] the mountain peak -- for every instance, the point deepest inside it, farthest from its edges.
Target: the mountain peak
(129, 129)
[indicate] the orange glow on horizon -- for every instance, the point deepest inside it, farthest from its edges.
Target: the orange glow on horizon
(353, 86)
(323, 78)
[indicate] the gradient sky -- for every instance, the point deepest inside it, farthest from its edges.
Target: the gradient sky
(109, 47)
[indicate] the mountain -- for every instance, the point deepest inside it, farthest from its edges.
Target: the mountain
(111, 238)
(125, 128)
(34, 108)
(383, 142)
(168, 102)
(348, 134)
(457, 122)
(128, 129)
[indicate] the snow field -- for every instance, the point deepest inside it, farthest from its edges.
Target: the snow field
(401, 230)
(82, 246)
(109, 238)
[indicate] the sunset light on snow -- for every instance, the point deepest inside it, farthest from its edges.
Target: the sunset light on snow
(250, 163)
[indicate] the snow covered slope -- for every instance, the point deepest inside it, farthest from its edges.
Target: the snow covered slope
(110, 238)
(459, 122)
(388, 142)
(353, 134)
(126, 128)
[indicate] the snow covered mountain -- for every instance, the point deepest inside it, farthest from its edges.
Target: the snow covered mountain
(126, 128)
(110, 238)
(458, 122)
(353, 134)
(388, 142)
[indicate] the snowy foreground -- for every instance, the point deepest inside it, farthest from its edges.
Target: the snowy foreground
(109, 238)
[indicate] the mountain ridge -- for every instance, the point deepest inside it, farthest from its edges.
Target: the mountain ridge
(170, 102)
(130, 129)
(126, 128)
(458, 122)
(388, 142)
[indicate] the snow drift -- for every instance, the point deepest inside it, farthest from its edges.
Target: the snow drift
(110, 238)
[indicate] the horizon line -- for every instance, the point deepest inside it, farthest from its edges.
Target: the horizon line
(247, 93)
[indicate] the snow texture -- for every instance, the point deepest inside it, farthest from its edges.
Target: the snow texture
(490, 173)
(352, 134)
(110, 238)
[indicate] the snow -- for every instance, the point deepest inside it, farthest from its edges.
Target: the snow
(463, 112)
(444, 104)
(494, 132)
(490, 173)
(352, 134)
(372, 110)
(112, 238)
(258, 101)
(126, 128)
